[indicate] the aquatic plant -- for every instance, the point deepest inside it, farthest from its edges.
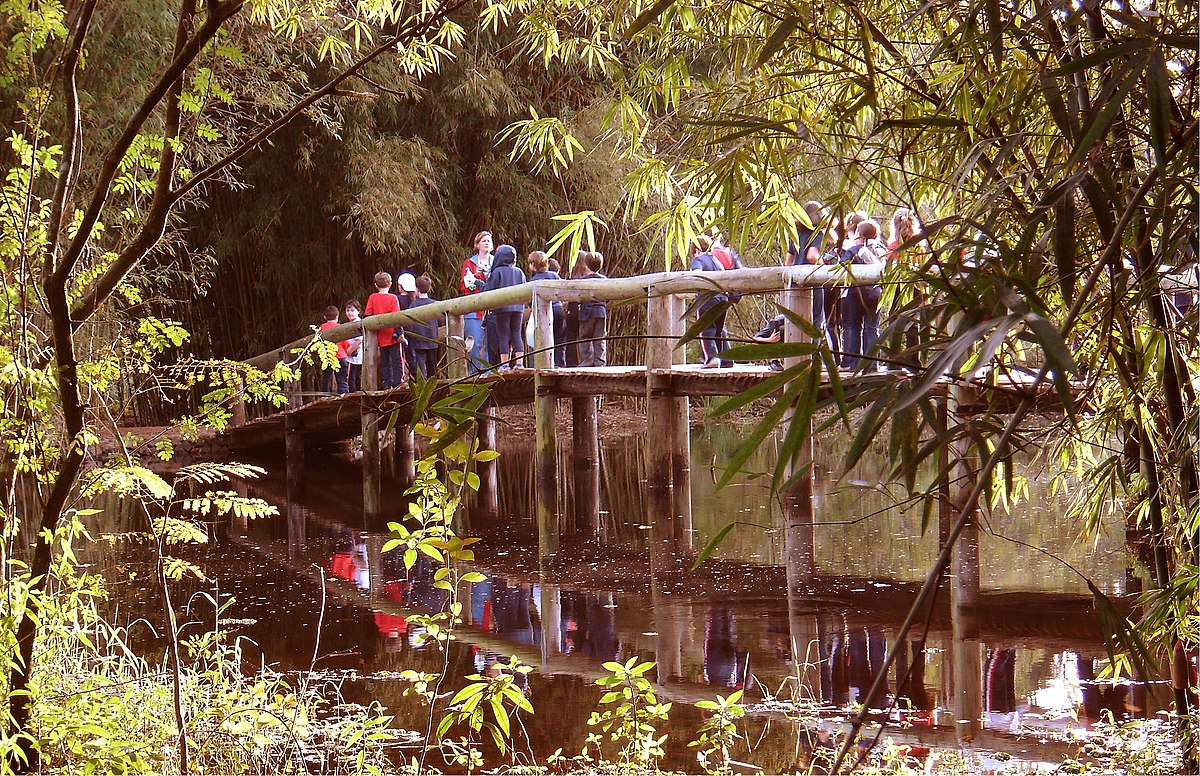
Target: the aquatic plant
(628, 715)
(719, 732)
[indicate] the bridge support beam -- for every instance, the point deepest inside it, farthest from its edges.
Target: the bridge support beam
(404, 455)
(585, 462)
(371, 464)
(681, 431)
(293, 440)
(666, 431)
(967, 647)
(456, 349)
(798, 513)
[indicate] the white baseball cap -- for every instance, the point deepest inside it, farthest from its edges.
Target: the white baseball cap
(407, 282)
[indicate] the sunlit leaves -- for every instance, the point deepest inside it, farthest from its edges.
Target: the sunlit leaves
(578, 229)
(543, 140)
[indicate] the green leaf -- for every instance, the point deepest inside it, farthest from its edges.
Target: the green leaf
(647, 17)
(712, 545)
(1110, 102)
(1160, 103)
(1099, 57)
(869, 426)
(467, 692)
(779, 36)
(756, 436)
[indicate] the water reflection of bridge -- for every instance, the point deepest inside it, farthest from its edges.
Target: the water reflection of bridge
(831, 618)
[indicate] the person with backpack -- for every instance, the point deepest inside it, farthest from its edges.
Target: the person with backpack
(809, 248)
(712, 340)
(860, 305)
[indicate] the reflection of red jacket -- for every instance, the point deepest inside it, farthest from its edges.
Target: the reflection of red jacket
(471, 268)
(341, 564)
(395, 589)
(390, 624)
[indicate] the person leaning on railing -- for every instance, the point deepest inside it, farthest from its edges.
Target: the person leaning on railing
(472, 276)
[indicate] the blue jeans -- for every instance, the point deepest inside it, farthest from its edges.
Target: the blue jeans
(473, 330)
(389, 365)
(860, 324)
(712, 339)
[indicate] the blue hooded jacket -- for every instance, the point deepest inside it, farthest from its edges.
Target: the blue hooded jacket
(505, 273)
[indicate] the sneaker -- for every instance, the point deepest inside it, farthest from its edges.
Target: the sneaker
(775, 365)
(727, 365)
(712, 363)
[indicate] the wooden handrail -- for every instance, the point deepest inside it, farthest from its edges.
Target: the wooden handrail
(750, 280)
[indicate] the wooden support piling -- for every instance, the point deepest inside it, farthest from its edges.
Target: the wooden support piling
(661, 422)
(293, 388)
(798, 514)
(371, 463)
(967, 647)
(404, 455)
(456, 348)
(545, 429)
(293, 431)
(681, 446)
(296, 533)
(375, 578)
(237, 412)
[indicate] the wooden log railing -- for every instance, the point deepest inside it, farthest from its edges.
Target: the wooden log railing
(541, 294)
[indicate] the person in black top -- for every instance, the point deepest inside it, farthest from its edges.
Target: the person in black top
(712, 338)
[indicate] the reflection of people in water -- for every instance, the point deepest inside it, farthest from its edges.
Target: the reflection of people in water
(1001, 688)
(588, 624)
(511, 607)
(855, 656)
(911, 693)
(724, 666)
(493, 664)
(348, 561)
(1125, 699)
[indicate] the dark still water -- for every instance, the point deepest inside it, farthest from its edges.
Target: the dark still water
(800, 612)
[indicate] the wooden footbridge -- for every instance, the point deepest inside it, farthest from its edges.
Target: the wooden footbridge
(664, 380)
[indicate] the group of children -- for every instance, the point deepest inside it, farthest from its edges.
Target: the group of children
(502, 334)
(404, 352)
(850, 317)
(412, 350)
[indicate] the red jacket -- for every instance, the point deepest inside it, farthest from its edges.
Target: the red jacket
(341, 346)
(471, 268)
(381, 303)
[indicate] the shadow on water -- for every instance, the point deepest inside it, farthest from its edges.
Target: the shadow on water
(782, 610)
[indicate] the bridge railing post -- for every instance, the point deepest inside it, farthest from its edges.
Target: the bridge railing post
(456, 348)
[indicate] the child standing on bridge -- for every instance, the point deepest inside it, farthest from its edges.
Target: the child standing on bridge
(354, 348)
(505, 336)
(383, 302)
(593, 318)
(330, 377)
(422, 338)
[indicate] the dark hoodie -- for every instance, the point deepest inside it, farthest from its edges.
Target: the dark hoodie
(505, 273)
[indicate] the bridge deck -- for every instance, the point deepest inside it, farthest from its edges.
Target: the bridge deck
(336, 418)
